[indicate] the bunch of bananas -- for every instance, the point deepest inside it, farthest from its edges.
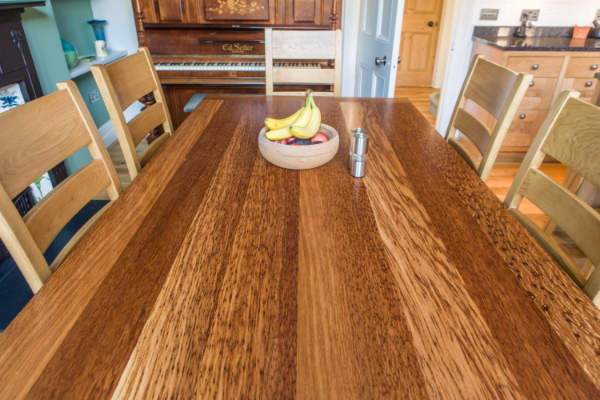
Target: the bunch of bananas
(303, 124)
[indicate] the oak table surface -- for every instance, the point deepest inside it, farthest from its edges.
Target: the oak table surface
(216, 274)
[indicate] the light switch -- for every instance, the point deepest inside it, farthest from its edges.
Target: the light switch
(533, 14)
(489, 14)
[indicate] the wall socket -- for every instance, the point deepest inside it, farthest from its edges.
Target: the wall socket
(532, 13)
(94, 96)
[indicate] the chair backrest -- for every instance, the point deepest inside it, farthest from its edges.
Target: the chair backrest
(571, 135)
(497, 90)
(121, 83)
(303, 45)
(35, 137)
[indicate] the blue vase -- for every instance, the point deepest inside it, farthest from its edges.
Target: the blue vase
(98, 27)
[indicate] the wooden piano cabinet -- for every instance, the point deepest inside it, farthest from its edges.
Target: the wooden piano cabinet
(259, 12)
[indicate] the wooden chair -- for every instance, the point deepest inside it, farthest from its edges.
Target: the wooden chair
(121, 83)
(35, 137)
(303, 45)
(497, 90)
(570, 134)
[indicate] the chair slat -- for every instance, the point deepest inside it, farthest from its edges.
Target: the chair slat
(304, 45)
(147, 120)
(133, 76)
(64, 135)
(474, 129)
(303, 75)
(491, 86)
(576, 218)
(49, 216)
(575, 140)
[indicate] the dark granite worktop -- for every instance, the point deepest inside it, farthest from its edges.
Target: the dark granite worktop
(539, 39)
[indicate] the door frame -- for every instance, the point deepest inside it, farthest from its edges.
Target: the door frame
(350, 30)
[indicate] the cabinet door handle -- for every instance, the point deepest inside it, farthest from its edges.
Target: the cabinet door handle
(531, 84)
(535, 66)
(522, 116)
(594, 67)
(588, 83)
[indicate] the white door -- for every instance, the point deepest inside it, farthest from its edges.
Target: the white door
(378, 45)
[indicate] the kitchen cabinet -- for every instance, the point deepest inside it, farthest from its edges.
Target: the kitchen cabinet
(553, 72)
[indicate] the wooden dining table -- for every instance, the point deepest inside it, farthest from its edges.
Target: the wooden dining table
(219, 275)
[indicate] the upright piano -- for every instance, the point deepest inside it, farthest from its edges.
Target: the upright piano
(217, 46)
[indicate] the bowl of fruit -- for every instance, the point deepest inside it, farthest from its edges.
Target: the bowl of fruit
(299, 141)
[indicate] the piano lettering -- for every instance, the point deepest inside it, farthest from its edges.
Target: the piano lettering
(237, 48)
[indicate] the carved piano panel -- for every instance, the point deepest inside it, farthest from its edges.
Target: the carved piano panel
(242, 10)
(257, 12)
(170, 10)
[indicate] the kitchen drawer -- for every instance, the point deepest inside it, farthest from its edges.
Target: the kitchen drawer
(583, 67)
(537, 66)
(539, 94)
(585, 86)
(524, 128)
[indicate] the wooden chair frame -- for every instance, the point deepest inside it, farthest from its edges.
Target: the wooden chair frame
(36, 136)
(303, 45)
(123, 82)
(570, 134)
(499, 91)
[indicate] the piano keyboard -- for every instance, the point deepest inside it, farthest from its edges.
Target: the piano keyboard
(228, 66)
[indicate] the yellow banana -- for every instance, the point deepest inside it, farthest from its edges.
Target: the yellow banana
(300, 117)
(273, 123)
(310, 129)
(278, 134)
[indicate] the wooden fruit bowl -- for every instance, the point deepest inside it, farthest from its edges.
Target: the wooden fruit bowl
(300, 157)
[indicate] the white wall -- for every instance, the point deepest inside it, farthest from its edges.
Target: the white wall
(552, 12)
(466, 16)
(350, 23)
(120, 29)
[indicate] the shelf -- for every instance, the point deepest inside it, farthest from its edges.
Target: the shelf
(83, 68)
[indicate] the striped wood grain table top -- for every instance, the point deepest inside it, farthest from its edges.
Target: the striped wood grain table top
(218, 275)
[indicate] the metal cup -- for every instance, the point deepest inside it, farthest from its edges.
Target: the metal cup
(358, 165)
(359, 142)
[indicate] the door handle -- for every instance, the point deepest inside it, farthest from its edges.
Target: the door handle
(431, 24)
(379, 61)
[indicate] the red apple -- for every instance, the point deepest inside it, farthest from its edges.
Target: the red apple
(320, 137)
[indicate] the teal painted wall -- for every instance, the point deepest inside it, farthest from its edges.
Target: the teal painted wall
(44, 26)
(43, 38)
(71, 19)
(86, 84)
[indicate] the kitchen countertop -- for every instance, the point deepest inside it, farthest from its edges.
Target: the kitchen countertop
(540, 43)
(544, 38)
